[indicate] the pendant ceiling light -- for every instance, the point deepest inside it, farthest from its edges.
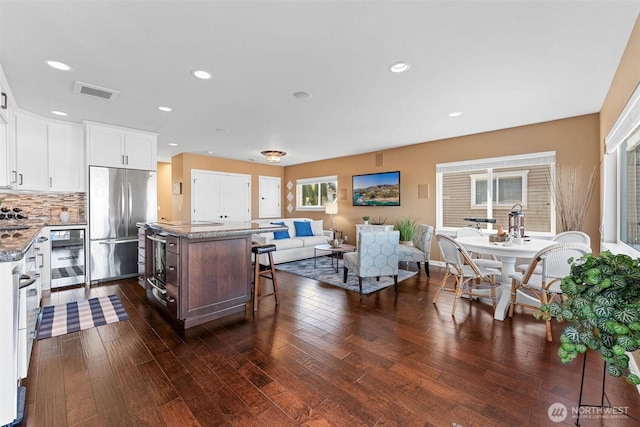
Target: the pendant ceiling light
(273, 156)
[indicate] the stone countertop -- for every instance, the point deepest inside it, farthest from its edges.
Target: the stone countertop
(14, 243)
(205, 231)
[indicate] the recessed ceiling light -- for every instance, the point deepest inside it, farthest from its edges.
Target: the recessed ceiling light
(202, 74)
(222, 130)
(165, 109)
(455, 114)
(58, 113)
(302, 95)
(173, 144)
(209, 152)
(58, 65)
(399, 67)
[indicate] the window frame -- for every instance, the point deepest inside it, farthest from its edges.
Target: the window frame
(318, 181)
(627, 123)
(523, 174)
(486, 166)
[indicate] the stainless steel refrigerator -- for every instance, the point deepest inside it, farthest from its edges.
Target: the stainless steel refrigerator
(118, 199)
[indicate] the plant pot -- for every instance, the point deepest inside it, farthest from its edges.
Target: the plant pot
(366, 223)
(65, 216)
(406, 242)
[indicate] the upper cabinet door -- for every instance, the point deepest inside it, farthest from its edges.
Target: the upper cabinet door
(66, 157)
(105, 147)
(140, 151)
(31, 141)
(118, 147)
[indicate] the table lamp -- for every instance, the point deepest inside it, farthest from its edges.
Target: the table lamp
(331, 208)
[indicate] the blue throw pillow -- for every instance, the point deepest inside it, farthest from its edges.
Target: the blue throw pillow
(303, 228)
(277, 235)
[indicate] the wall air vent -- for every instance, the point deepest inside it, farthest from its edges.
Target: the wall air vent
(97, 91)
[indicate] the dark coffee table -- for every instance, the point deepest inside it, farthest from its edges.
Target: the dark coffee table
(336, 251)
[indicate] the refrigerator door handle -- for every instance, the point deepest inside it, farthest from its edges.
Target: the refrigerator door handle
(117, 242)
(130, 204)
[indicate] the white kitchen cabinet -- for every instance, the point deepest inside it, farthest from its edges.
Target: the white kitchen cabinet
(66, 157)
(28, 309)
(31, 154)
(43, 261)
(114, 146)
(6, 166)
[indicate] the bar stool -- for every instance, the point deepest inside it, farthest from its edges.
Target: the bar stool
(269, 273)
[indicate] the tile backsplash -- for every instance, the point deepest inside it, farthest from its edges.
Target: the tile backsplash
(37, 205)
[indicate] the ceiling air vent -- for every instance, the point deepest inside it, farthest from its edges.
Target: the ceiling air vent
(97, 91)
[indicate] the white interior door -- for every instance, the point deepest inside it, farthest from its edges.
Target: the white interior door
(205, 196)
(220, 196)
(236, 197)
(270, 197)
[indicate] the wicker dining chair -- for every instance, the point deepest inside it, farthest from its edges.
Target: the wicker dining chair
(465, 271)
(565, 237)
(542, 288)
(490, 261)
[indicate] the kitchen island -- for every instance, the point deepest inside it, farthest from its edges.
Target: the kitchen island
(202, 271)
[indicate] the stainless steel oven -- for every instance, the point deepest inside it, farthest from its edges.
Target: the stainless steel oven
(157, 280)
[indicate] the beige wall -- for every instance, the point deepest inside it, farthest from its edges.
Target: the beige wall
(624, 83)
(183, 163)
(574, 140)
(164, 190)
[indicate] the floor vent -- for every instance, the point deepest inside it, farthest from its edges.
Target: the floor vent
(97, 91)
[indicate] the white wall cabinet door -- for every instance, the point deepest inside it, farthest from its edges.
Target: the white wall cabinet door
(105, 147)
(118, 147)
(66, 157)
(31, 142)
(5, 167)
(140, 151)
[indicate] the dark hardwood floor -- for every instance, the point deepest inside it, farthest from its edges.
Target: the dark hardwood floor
(322, 358)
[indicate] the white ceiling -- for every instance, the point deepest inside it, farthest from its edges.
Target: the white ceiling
(501, 63)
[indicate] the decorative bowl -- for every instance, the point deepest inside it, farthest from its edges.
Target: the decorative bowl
(335, 242)
(496, 238)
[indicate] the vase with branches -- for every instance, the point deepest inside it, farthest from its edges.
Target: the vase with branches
(571, 197)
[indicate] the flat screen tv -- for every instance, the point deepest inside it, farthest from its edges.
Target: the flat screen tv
(377, 189)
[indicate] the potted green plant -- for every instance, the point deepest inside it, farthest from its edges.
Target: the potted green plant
(603, 304)
(406, 227)
(366, 219)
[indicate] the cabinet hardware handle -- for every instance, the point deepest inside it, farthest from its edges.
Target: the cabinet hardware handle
(171, 299)
(41, 260)
(172, 244)
(4, 101)
(172, 268)
(127, 157)
(50, 181)
(32, 334)
(37, 275)
(21, 180)
(33, 291)
(122, 159)
(15, 177)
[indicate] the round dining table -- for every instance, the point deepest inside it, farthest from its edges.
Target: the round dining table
(507, 253)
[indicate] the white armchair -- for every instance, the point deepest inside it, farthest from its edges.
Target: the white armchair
(377, 255)
(421, 249)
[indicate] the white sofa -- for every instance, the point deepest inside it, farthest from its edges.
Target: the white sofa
(295, 247)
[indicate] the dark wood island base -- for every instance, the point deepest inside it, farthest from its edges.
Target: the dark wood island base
(207, 270)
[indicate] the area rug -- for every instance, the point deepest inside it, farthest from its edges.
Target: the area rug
(78, 315)
(325, 271)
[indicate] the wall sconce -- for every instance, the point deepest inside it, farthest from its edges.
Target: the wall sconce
(331, 208)
(273, 156)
